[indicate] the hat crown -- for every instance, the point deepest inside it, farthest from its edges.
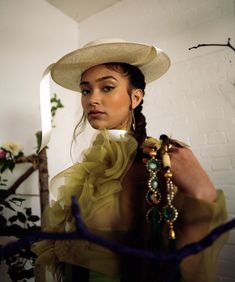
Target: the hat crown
(151, 61)
(104, 41)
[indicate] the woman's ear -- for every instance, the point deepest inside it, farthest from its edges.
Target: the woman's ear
(136, 97)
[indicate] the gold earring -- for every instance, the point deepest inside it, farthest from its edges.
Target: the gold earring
(133, 120)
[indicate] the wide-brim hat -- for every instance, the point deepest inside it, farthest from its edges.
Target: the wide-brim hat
(67, 72)
(152, 61)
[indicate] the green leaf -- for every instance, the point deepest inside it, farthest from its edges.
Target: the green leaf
(33, 218)
(28, 211)
(3, 194)
(53, 108)
(8, 164)
(7, 205)
(16, 230)
(13, 218)
(3, 181)
(38, 139)
(54, 99)
(19, 155)
(34, 228)
(21, 217)
(5, 166)
(17, 201)
(13, 230)
(3, 222)
(55, 105)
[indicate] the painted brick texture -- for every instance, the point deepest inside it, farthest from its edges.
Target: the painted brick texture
(195, 100)
(203, 115)
(206, 121)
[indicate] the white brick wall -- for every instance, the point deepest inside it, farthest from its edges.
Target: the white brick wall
(208, 124)
(195, 100)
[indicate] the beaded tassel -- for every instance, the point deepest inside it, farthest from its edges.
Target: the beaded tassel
(170, 213)
(153, 196)
(156, 167)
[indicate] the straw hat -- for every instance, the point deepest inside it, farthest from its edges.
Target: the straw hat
(152, 61)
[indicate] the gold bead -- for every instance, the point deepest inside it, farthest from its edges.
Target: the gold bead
(171, 234)
(168, 174)
(166, 160)
(175, 189)
(166, 148)
(153, 153)
(155, 198)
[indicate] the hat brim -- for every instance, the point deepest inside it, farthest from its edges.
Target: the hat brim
(152, 61)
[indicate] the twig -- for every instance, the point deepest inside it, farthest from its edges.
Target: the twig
(43, 179)
(27, 159)
(16, 184)
(224, 45)
(82, 233)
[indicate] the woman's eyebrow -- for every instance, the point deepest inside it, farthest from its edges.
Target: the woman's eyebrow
(98, 80)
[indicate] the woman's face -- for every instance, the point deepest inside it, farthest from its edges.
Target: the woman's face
(105, 99)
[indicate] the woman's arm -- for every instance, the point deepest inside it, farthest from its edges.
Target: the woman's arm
(189, 175)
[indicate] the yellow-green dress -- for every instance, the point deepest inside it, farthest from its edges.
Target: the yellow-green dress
(110, 187)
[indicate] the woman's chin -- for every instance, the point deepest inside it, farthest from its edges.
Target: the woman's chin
(97, 126)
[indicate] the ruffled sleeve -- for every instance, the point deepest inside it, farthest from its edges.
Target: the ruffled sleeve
(96, 182)
(197, 218)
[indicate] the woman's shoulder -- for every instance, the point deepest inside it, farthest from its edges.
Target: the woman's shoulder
(150, 141)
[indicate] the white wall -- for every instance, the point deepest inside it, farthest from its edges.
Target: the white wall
(195, 100)
(33, 35)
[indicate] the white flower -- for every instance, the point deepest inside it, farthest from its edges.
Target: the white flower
(13, 147)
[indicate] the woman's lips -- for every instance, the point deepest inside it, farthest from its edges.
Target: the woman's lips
(95, 114)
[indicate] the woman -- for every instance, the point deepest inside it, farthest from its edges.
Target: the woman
(116, 189)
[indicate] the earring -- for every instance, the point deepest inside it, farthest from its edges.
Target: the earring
(133, 120)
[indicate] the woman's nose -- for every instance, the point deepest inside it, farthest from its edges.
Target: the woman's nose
(95, 98)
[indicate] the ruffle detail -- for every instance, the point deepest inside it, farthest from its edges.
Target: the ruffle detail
(96, 182)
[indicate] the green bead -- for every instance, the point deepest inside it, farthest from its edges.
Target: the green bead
(169, 213)
(153, 165)
(153, 197)
(154, 215)
(154, 183)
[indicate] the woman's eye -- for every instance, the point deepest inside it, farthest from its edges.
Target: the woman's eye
(85, 92)
(108, 88)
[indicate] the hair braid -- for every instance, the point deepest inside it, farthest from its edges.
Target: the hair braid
(137, 81)
(140, 124)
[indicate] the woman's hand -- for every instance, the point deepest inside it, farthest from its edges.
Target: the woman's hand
(188, 174)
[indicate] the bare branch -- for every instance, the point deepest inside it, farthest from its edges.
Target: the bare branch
(27, 159)
(43, 179)
(83, 233)
(224, 45)
(21, 179)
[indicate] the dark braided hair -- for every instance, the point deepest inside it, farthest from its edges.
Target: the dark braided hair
(136, 81)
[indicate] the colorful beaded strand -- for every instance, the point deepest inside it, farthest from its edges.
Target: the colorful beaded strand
(153, 195)
(169, 212)
(157, 164)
